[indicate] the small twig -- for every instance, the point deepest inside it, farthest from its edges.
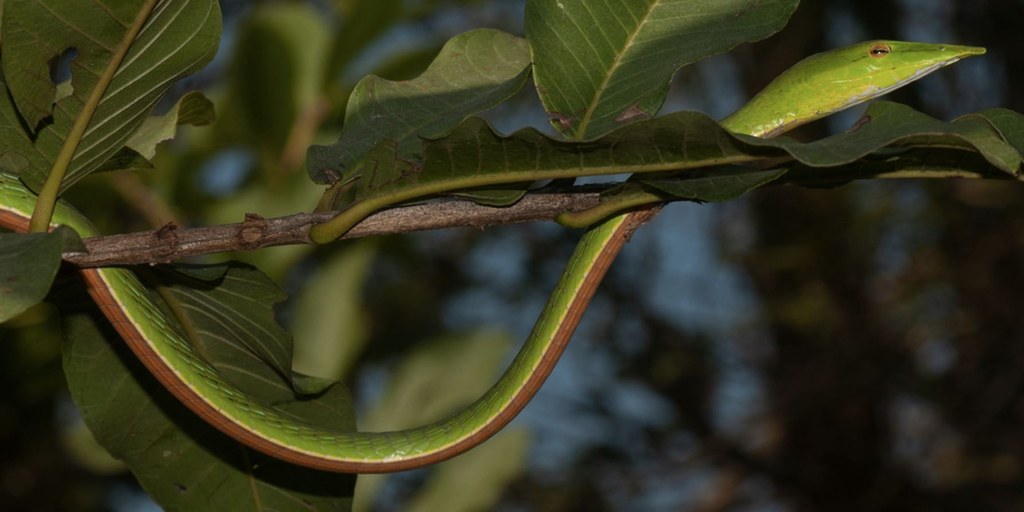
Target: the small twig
(171, 243)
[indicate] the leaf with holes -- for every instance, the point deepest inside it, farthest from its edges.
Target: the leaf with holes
(123, 56)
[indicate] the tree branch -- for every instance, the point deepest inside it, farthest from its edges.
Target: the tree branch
(171, 243)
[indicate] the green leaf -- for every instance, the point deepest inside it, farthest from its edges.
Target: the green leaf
(1008, 123)
(474, 71)
(28, 264)
(180, 460)
(232, 319)
(715, 185)
(191, 109)
(599, 65)
(177, 39)
(474, 156)
(126, 159)
(910, 163)
(886, 123)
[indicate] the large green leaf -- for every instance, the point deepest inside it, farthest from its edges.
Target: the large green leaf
(474, 71)
(184, 463)
(599, 65)
(473, 155)
(177, 38)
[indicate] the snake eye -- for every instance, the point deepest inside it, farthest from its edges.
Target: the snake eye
(879, 50)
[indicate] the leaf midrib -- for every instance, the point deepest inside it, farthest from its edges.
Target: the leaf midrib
(581, 130)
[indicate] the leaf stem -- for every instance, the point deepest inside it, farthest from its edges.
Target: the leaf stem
(51, 188)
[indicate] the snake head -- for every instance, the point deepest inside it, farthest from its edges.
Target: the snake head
(831, 81)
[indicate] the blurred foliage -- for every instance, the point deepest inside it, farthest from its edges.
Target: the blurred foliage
(874, 362)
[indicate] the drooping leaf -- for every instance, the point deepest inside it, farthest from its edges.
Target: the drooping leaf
(177, 38)
(474, 71)
(598, 65)
(181, 461)
(191, 109)
(473, 155)
(887, 123)
(1006, 122)
(28, 264)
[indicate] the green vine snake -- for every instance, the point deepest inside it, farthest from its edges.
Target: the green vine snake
(815, 87)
